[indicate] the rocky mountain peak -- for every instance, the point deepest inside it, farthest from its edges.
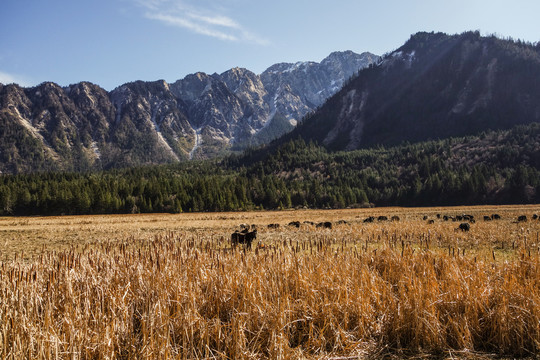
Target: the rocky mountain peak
(240, 80)
(340, 56)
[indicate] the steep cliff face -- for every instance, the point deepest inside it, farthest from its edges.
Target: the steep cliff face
(150, 124)
(434, 86)
(83, 127)
(53, 126)
(215, 113)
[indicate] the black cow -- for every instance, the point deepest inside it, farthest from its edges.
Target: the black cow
(382, 218)
(295, 223)
(495, 217)
(369, 219)
(325, 224)
(535, 216)
(273, 226)
(242, 237)
(464, 227)
(522, 218)
(394, 218)
(487, 218)
(425, 217)
(431, 221)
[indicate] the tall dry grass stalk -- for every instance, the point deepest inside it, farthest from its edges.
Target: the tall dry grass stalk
(346, 293)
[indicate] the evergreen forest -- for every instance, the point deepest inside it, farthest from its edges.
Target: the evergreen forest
(496, 167)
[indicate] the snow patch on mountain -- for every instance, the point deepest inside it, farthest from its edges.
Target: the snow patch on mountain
(198, 142)
(95, 149)
(160, 135)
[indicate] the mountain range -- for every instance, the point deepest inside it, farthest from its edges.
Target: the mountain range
(435, 86)
(83, 127)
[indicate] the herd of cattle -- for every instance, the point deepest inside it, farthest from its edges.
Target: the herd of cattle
(248, 233)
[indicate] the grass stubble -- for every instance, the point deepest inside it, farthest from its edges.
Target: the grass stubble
(404, 289)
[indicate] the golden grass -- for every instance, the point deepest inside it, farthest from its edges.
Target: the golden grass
(170, 286)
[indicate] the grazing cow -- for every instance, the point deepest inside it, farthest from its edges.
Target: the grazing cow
(534, 217)
(425, 217)
(438, 216)
(464, 227)
(446, 218)
(522, 218)
(468, 217)
(242, 237)
(459, 218)
(295, 223)
(394, 218)
(487, 218)
(369, 219)
(325, 224)
(273, 226)
(431, 221)
(341, 222)
(495, 217)
(382, 218)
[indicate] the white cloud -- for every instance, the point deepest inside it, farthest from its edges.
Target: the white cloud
(216, 20)
(6, 78)
(191, 25)
(198, 20)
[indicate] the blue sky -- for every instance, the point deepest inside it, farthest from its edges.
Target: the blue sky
(111, 42)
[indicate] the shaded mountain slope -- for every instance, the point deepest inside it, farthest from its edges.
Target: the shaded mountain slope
(434, 86)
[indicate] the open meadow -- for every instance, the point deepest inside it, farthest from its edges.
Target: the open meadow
(162, 286)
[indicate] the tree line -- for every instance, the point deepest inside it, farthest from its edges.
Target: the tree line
(498, 167)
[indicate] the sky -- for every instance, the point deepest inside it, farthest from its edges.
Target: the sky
(111, 42)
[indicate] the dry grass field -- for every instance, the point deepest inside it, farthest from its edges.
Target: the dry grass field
(165, 286)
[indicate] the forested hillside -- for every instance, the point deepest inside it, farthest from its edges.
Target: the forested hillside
(435, 86)
(493, 168)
